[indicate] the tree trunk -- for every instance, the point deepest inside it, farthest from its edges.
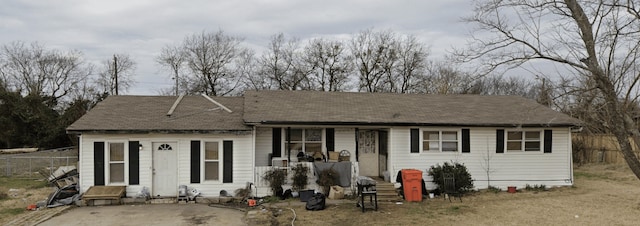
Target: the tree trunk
(621, 125)
(619, 121)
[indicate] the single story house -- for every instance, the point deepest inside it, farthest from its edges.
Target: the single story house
(221, 143)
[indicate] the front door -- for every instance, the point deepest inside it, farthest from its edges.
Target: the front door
(165, 169)
(367, 153)
(383, 150)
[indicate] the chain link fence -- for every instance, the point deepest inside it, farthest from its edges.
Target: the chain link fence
(37, 164)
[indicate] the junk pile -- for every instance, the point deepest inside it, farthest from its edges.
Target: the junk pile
(65, 178)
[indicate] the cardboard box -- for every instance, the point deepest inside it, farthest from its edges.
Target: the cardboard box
(336, 192)
(334, 155)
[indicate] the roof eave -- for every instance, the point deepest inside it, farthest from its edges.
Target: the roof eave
(362, 123)
(142, 131)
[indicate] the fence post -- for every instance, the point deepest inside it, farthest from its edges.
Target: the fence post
(30, 168)
(8, 173)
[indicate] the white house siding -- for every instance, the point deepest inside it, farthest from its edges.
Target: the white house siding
(345, 139)
(242, 160)
(506, 169)
(264, 145)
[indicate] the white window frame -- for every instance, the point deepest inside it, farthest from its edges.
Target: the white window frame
(203, 161)
(524, 140)
(304, 141)
(440, 140)
(124, 163)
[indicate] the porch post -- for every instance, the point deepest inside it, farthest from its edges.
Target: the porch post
(357, 138)
(289, 144)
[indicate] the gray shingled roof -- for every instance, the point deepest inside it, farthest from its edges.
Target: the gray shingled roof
(311, 107)
(149, 113)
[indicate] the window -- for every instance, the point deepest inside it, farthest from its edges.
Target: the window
(116, 162)
(212, 161)
(306, 140)
(446, 141)
(518, 141)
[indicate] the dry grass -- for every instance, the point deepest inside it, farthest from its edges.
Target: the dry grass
(19, 194)
(602, 195)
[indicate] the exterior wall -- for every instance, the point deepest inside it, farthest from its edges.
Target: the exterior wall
(243, 155)
(505, 169)
(345, 139)
(263, 145)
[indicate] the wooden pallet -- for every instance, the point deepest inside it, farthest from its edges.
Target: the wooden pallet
(104, 195)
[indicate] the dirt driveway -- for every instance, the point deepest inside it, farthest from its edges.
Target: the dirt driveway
(156, 214)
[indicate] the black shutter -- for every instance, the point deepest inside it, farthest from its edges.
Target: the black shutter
(357, 146)
(500, 141)
(98, 163)
(466, 147)
(227, 161)
(548, 137)
(134, 163)
(331, 140)
(195, 161)
(415, 141)
(276, 143)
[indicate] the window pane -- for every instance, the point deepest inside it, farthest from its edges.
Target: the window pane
(116, 151)
(431, 135)
(116, 172)
(431, 146)
(532, 135)
(313, 135)
(514, 146)
(296, 135)
(532, 146)
(449, 136)
(514, 135)
(211, 171)
(449, 146)
(211, 150)
(313, 147)
(295, 147)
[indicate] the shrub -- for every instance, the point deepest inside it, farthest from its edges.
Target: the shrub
(535, 187)
(300, 178)
(494, 189)
(464, 183)
(276, 178)
(326, 179)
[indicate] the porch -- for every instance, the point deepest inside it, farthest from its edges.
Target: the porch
(262, 185)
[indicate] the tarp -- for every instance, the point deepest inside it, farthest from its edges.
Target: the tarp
(342, 168)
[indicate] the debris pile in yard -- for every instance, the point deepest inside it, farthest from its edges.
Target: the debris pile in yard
(65, 178)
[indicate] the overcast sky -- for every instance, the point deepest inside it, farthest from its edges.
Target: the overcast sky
(140, 28)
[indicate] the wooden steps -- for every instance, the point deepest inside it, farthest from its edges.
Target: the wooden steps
(386, 191)
(104, 195)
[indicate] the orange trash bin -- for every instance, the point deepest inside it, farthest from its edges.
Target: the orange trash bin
(411, 184)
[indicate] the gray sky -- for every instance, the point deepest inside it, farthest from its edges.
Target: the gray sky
(141, 28)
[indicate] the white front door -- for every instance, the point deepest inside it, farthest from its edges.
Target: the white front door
(368, 153)
(165, 170)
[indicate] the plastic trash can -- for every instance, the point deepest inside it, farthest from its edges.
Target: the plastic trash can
(411, 179)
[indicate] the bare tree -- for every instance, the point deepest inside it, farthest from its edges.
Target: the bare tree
(597, 40)
(329, 64)
(248, 70)
(116, 74)
(212, 62)
(34, 70)
(282, 64)
(412, 57)
(375, 54)
(173, 58)
(440, 78)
